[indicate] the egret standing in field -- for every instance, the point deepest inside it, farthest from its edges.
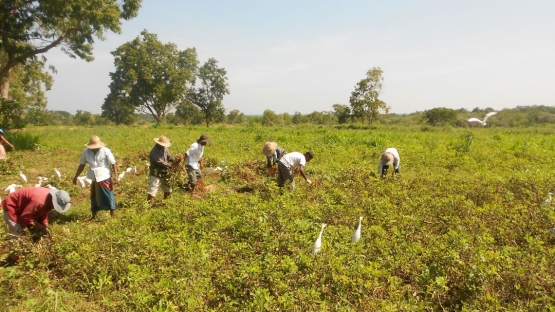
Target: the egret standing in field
(549, 199)
(389, 157)
(12, 187)
(358, 232)
(121, 175)
(22, 176)
(488, 115)
(58, 173)
(318, 243)
(100, 159)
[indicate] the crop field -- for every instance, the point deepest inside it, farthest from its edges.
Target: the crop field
(464, 227)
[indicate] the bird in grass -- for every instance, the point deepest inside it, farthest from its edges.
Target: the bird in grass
(58, 173)
(81, 181)
(128, 169)
(488, 115)
(358, 232)
(22, 176)
(12, 187)
(318, 243)
(549, 199)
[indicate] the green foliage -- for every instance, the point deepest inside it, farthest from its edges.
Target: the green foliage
(30, 28)
(440, 116)
(456, 230)
(365, 102)
(210, 92)
(24, 141)
(150, 77)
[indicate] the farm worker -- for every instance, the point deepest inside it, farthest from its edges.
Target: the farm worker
(2, 140)
(193, 158)
(273, 154)
(389, 157)
(160, 162)
(100, 159)
(288, 163)
(28, 207)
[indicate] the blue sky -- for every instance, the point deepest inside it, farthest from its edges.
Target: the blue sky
(305, 56)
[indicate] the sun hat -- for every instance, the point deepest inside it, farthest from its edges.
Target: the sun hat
(61, 200)
(387, 159)
(269, 148)
(95, 142)
(203, 139)
(162, 140)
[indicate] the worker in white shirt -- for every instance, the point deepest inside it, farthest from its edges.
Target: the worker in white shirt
(389, 157)
(288, 163)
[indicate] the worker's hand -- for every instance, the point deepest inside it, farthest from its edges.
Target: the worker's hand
(74, 180)
(308, 181)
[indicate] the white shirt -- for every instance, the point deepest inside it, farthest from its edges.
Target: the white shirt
(396, 159)
(194, 154)
(293, 160)
(103, 159)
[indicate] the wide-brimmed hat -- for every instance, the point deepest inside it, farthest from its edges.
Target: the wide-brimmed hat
(162, 140)
(387, 159)
(203, 139)
(61, 200)
(95, 142)
(269, 148)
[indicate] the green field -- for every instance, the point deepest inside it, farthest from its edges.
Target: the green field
(463, 227)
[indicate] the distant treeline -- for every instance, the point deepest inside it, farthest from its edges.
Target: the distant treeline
(521, 116)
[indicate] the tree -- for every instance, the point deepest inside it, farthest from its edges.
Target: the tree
(117, 108)
(342, 113)
(28, 85)
(189, 114)
(33, 27)
(364, 100)
(208, 96)
(235, 117)
(440, 115)
(269, 118)
(150, 76)
(84, 118)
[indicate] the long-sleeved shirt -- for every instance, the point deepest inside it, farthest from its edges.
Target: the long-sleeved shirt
(194, 154)
(102, 159)
(274, 158)
(160, 160)
(28, 205)
(396, 159)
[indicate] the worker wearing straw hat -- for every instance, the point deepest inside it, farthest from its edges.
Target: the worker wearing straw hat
(160, 162)
(389, 158)
(273, 154)
(100, 160)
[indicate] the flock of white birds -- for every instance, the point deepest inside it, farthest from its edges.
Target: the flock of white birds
(318, 243)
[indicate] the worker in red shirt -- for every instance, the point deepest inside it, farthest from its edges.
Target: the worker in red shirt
(28, 207)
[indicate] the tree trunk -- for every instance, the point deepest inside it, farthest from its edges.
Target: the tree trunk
(5, 85)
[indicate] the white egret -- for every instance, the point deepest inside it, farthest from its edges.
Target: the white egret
(120, 176)
(135, 169)
(23, 177)
(128, 169)
(358, 232)
(12, 187)
(318, 243)
(81, 181)
(58, 173)
(488, 115)
(549, 199)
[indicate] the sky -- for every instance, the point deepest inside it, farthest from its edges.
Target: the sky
(306, 56)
